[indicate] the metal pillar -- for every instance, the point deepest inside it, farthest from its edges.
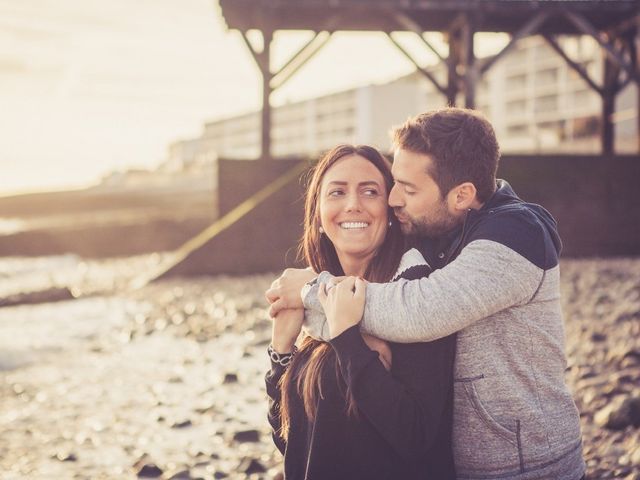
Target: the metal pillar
(470, 73)
(455, 55)
(610, 81)
(265, 144)
(274, 80)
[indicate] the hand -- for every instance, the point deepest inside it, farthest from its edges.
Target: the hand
(343, 304)
(285, 290)
(380, 346)
(286, 328)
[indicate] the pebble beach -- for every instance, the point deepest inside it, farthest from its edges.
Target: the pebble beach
(166, 381)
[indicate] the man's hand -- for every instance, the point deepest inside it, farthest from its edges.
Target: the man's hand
(380, 346)
(343, 304)
(285, 291)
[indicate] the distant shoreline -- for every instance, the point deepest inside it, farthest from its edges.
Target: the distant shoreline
(103, 222)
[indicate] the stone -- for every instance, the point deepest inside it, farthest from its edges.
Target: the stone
(182, 424)
(626, 317)
(598, 337)
(230, 378)
(149, 470)
(181, 475)
(247, 436)
(620, 413)
(251, 465)
(66, 457)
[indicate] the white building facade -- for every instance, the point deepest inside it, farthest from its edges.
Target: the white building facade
(535, 101)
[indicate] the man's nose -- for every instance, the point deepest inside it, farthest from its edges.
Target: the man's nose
(395, 198)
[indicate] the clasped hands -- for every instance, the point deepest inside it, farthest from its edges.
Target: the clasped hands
(342, 300)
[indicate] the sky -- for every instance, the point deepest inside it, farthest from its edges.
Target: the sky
(92, 86)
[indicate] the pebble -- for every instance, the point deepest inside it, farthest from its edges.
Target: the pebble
(247, 436)
(251, 465)
(182, 424)
(188, 403)
(149, 470)
(230, 378)
(181, 475)
(623, 411)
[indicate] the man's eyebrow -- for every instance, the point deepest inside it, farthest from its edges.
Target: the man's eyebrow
(407, 184)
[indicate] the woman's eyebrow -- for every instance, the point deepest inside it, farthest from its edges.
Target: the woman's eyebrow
(369, 182)
(366, 182)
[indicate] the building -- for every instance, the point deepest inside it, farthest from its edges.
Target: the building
(535, 101)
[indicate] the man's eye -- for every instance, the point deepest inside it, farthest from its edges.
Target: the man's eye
(409, 192)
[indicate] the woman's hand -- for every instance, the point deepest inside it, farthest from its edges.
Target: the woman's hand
(286, 328)
(380, 346)
(343, 304)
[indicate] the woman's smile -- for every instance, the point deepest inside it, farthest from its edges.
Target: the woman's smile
(353, 209)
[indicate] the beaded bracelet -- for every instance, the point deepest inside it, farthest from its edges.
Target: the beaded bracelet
(283, 359)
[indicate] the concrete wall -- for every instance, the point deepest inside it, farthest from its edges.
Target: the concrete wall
(594, 200)
(263, 240)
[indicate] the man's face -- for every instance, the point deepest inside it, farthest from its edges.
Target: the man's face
(416, 198)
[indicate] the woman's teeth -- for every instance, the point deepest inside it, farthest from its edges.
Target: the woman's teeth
(351, 225)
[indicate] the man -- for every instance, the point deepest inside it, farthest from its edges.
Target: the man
(496, 283)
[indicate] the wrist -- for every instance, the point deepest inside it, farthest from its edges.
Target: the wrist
(337, 330)
(282, 359)
(282, 346)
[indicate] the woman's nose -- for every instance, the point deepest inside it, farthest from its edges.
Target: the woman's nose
(353, 203)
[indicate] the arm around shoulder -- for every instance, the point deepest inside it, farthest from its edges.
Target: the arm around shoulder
(485, 278)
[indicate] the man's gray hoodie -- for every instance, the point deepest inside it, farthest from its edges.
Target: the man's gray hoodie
(496, 283)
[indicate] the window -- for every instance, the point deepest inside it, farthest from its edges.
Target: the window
(546, 77)
(548, 103)
(517, 82)
(518, 130)
(516, 107)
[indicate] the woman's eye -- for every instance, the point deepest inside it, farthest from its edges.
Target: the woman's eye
(335, 193)
(371, 192)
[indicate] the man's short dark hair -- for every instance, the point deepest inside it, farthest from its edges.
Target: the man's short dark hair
(461, 144)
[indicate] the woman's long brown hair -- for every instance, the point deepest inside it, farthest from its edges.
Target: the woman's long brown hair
(318, 251)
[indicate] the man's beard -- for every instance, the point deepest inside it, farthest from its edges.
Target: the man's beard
(435, 225)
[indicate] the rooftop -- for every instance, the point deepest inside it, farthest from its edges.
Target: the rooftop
(430, 15)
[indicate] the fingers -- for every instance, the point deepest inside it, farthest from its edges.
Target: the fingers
(276, 307)
(273, 292)
(343, 288)
(346, 286)
(360, 288)
(271, 295)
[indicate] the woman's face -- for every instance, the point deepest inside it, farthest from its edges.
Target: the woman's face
(353, 207)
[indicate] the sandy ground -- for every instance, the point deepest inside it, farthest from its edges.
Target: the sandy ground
(167, 381)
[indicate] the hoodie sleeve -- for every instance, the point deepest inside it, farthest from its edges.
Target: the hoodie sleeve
(502, 266)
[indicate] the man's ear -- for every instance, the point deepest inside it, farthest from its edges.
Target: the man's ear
(463, 197)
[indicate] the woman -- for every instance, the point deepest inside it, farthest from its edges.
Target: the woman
(340, 409)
